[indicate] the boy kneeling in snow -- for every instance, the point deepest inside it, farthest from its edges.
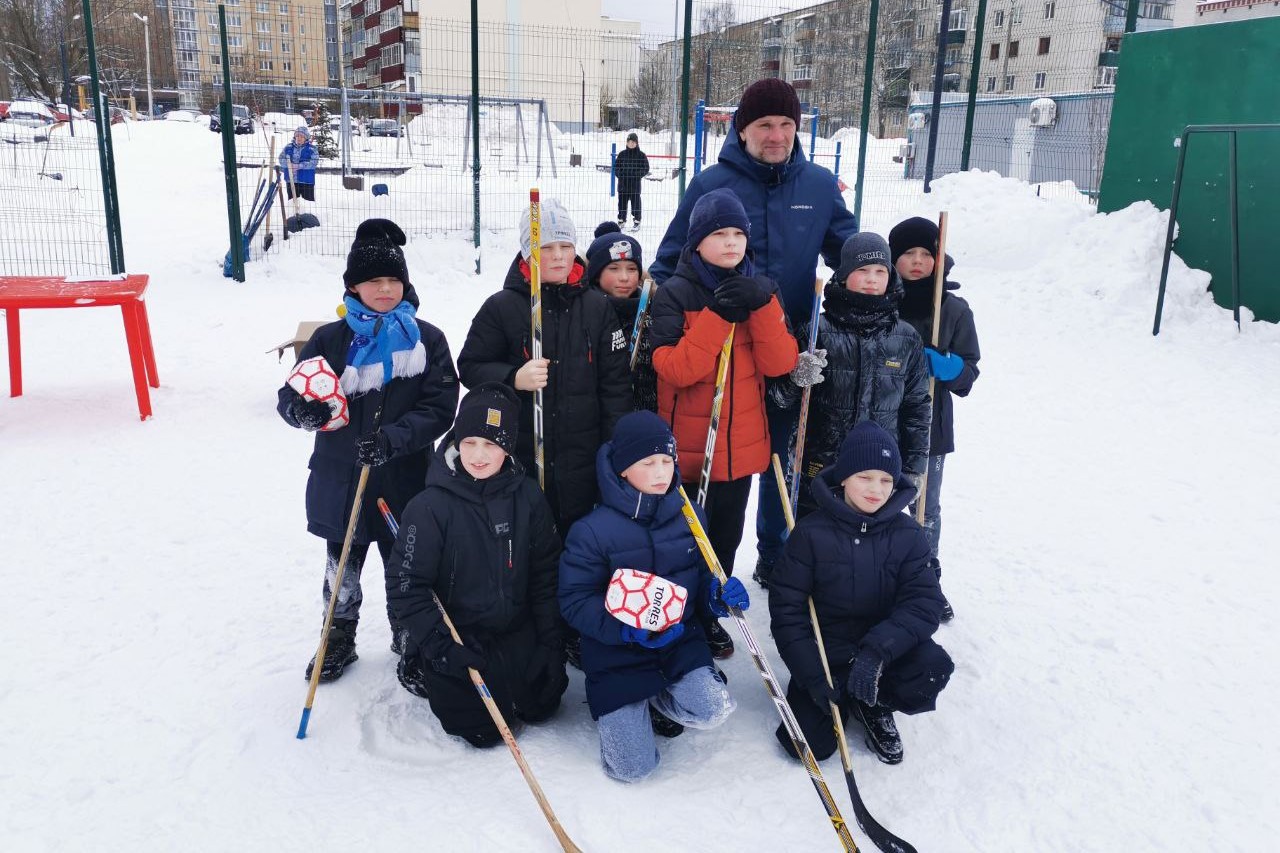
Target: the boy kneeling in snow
(629, 670)
(865, 564)
(480, 537)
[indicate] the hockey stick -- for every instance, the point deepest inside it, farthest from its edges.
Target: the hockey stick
(798, 741)
(646, 292)
(797, 455)
(880, 837)
(494, 713)
(717, 402)
(535, 314)
(336, 585)
(939, 278)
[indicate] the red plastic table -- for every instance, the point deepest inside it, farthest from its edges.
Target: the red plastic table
(18, 292)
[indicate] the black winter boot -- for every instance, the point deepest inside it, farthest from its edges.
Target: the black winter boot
(339, 651)
(764, 571)
(718, 639)
(947, 613)
(882, 731)
(664, 726)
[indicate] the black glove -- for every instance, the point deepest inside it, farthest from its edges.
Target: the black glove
(738, 291)
(412, 678)
(822, 695)
(308, 414)
(457, 659)
(547, 676)
(373, 448)
(864, 678)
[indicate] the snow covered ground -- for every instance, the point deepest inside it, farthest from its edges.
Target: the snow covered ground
(1110, 548)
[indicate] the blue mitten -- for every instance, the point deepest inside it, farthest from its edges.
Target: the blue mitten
(641, 637)
(944, 367)
(864, 678)
(732, 594)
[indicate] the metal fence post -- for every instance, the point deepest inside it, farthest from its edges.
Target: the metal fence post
(936, 118)
(475, 131)
(868, 77)
(974, 72)
(106, 158)
(613, 170)
(698, 120)
(234, 227)
(684, 96)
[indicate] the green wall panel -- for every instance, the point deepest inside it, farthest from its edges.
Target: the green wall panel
(1212, 74)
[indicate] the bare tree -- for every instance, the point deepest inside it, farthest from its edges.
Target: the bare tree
(650, 93)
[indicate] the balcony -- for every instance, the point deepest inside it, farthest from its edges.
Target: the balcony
(801, 76)
(770, 64)
(804, 32)
(1109, 59)
(955, 36)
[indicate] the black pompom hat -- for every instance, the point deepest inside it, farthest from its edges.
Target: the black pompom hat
(376, 252)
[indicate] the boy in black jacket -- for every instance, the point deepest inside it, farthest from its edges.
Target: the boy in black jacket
(954, 363)
(481, 539)
(583, 374)
(630, 167)
(615, 267)
(874, 367)
(865, 564)
(388, 361)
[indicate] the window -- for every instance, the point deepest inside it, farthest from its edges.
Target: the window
(1013, 50)
(213, 40)
(1106, 76)
(233, 21)
(1015, 15)
(1008, 82)
(1113, 44)
(1155, 11)
(1049, 9)
(953, 55)
(995, 51)
(235, 41)
(391, 19)
(284, 28)
(283, 10)
(213, 20)
(959, 19)
(991, 84)
(264, 45)
(999, 22)
(264, 26)
(287, 65)
(263, 7)
(392, 54)
(1041, 79)
(264, 65)
(919, 31)
(1043, 47)
(286, 47)
(188, 59)
(217, 80)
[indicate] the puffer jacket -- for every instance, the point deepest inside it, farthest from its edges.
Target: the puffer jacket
(630, 166)
(416, 410)
(589, 380)
(868, 576)
(956, 334)
(878, 375)
(629, 530)
(796, 212)
(687, 339)
(644, 382)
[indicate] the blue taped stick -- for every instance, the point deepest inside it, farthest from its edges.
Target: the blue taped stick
(302, 726)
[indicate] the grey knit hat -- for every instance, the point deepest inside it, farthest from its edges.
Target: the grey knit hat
(556, 227)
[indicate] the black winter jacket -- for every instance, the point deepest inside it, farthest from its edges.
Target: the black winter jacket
(869, 578)
(879, 375)
(489, 550)
(415, 412)
(644, 381)
(588, 387)
(956, 334)
(630, 167)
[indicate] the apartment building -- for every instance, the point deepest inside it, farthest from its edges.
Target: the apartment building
(1221, 11)
(382, 45)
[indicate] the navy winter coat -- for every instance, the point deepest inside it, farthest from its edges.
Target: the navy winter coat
(489, 550)
(630, 166)
(796, 213)
(956, 334)
(876, 374)
(869, 577)
(589, 380)
(416, 411)
(629, 530)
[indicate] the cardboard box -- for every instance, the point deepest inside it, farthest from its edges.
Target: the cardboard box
(306, 329)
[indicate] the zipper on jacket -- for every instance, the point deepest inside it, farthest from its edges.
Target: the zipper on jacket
(510, 555)
(588, 337)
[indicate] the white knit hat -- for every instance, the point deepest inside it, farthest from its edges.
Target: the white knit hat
(556, 227)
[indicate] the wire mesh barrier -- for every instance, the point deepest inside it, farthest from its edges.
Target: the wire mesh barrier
(1024, 89)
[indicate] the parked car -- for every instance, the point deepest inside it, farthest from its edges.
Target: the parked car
(384, 127)
(62, 112)
(242, 119)
(180, 115)
(30, 114)
(357, 126)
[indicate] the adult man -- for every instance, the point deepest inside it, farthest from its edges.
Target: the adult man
(630, 167)
(796, 213)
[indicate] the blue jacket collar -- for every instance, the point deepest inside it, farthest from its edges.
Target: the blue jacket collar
(622, 497)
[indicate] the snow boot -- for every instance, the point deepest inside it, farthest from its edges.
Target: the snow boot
(764, 570)
(664, 726)
(718, 639)
(411, 677)
(882, 731)
(635, 225)
(339, 652)
(947, 613)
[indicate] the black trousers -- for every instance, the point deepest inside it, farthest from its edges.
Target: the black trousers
(632, 197)
(350, 596)
(910, 684)
(726, 513)
(306, 191)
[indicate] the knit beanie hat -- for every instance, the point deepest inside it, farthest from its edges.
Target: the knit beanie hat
(718, 209)
(916, 232)
(491, 411)
(632, 137)
(639, 435)
(556, 227)
(867, 447)
(861, 250)
(375, 253)
(304, 130)
(611, 245)
(767, 97)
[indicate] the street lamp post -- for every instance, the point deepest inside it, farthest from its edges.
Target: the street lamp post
(146, 38)
(582, 114)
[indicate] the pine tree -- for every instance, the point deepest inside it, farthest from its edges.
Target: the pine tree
(322, 134)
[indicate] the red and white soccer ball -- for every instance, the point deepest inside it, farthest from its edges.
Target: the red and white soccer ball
(314, 379)
(644, 600)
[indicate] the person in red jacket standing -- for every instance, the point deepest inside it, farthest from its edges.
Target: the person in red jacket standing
(714, 289)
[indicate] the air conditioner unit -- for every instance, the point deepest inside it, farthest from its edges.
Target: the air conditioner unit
(1044, 112)
(917, 120)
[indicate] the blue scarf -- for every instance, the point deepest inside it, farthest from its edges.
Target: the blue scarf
(711, 277)
(391, 341)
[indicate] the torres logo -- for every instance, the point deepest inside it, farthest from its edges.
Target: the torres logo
(493, 418)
